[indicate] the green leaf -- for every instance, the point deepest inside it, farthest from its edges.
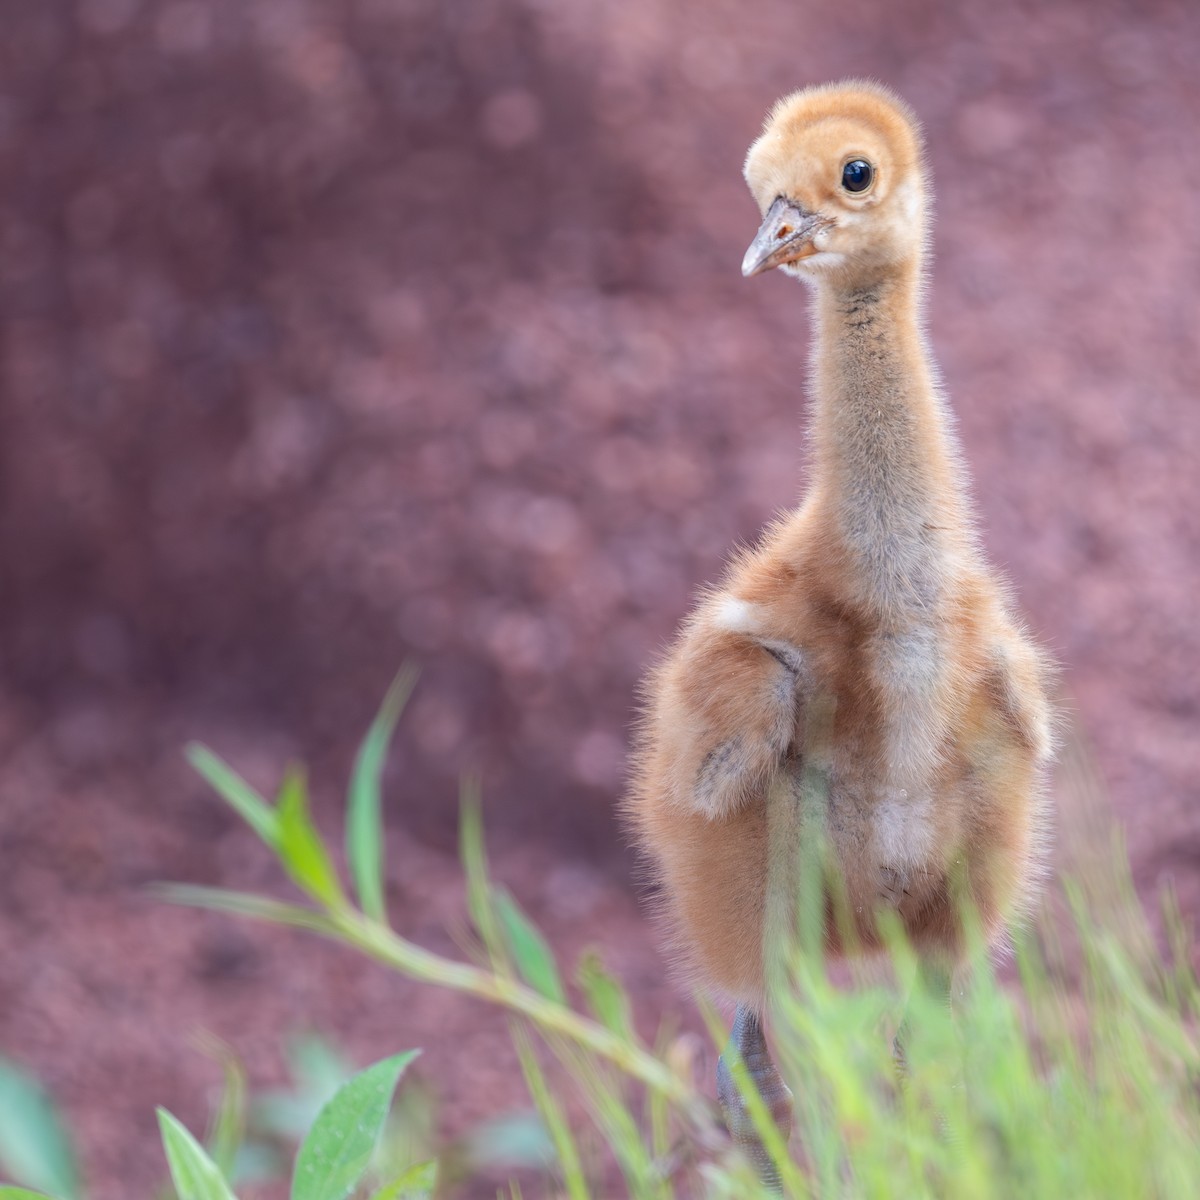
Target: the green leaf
(605, 996)
(318, 1067)
(364, 824)
(318, 1070)
(474, 861)
(195, 1175)
(301, 850)
(245, 904)
(16, 1193)
(340, 1144)
(417, 1183)
(236, 792)
(33, 1144)
(512, 1141)
(530, 951)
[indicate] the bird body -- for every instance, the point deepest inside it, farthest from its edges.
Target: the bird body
(865, 637)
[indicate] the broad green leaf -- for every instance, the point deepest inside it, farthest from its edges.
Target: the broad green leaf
(605, 996)
(530, 951)
(16, 1193)
(364, 823)
(245, 904)
(33, 1144)
(417, 1183)
(236, 792)
(342, 1140)
(301, 850)
(195, 1175)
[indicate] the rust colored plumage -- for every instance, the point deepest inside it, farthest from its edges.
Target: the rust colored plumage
(872, 598)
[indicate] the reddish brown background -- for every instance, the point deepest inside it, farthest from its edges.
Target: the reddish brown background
(341, 333)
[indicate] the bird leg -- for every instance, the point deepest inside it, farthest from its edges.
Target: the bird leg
(751, 1047)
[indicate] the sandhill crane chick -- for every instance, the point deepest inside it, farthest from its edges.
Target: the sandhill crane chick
(873, 597)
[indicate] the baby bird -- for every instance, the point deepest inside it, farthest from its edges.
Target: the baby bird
(868, 616)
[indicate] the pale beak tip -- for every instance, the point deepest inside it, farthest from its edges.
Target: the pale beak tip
(752, 264)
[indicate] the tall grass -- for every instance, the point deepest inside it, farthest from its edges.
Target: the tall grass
(1076, 1078)
(1073, 1076)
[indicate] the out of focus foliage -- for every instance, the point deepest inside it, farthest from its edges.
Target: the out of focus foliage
(1067, 1083)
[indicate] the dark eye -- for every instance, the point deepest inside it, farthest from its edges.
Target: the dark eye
(857, 175)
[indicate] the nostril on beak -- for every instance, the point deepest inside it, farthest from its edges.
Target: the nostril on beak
(783, 231)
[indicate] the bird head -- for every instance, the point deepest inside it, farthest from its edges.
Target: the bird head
(839, 176)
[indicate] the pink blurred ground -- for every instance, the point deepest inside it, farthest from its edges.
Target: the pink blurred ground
(340, 333)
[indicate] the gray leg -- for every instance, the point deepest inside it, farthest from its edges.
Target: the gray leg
(747, 1039)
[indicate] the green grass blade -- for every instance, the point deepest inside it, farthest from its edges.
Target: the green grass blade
(342, 1140)
(479, 890)
(605, 996)
(195, 1175)
(34, 1147)
(300, 848)
(16, 1193)
(236, 792)
(364, 821)
(794, 1183)
(656, 1114)
(604, 1091)
(530, 950)
(227, 1129)
(245, 904)
(557, 1126)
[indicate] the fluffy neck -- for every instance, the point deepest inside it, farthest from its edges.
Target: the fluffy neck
(887, 478)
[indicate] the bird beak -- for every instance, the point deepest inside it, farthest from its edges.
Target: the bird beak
(786, 234)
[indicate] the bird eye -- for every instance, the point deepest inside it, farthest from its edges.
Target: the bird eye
(857, 175)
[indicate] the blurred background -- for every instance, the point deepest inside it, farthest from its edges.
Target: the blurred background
(343, 332)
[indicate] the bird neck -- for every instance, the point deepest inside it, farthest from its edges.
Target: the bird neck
(887, 476)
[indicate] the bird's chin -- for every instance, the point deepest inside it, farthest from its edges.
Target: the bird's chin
(813, 266)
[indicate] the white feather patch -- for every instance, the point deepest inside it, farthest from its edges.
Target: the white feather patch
(737, 616)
